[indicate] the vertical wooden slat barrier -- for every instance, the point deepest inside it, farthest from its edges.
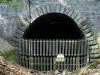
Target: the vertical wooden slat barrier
(41, 54)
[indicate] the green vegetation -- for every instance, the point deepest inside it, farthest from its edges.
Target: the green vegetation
(12, 3)
(8, 55)
(3, 1)
(15, 3)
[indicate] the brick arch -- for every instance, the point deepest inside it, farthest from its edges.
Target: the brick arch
(59, 8)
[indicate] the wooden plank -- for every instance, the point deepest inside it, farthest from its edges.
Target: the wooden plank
(63, 46)
(56, 47)
(29, 47)
(69, 48)
(23, 48)
(38, 58)
(60, 47)
(31, 53)
(66, 48)
(50, 51)
(40, 47)
(44, 50)
(47, 50)
(37, 47)
(34, 47)
(72, 51)
(83, 48)
(76, 42)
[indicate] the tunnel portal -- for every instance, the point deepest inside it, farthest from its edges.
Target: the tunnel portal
(53, 26)
(48, 36)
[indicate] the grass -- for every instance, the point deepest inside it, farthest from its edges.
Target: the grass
(8, 55)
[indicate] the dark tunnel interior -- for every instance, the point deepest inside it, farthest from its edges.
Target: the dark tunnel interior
(53, 26)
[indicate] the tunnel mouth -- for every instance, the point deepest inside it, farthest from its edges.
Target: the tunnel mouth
(53, 26)
(48, 36)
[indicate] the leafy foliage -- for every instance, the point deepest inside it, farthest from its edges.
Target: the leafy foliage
(8, 55)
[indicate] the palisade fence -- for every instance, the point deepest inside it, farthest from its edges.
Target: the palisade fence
(42, 54)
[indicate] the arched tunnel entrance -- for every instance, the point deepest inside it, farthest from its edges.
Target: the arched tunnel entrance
(50, 35)
(55, 29)
(53, 26)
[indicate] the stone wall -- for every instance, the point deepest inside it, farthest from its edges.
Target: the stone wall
(9, 16)
(88, 8)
